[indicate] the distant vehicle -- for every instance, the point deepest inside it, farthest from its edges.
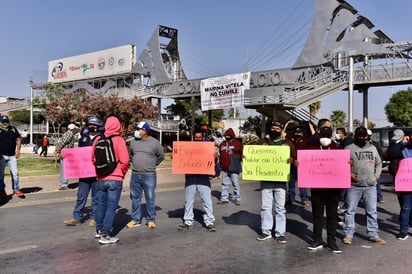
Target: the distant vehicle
(383, 137)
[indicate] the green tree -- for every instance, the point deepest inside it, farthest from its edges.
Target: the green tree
(338, 118)
(233, 113)
(183, 108)
(252, 125)
(23, 116)
(314, 108)
(399, 108)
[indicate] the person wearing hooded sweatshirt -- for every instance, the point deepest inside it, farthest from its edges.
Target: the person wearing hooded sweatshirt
(400, 148)
(325, 198)
(109, 187)
(230, 146)
(366, 168)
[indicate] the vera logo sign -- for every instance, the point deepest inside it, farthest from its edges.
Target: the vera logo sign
(266, 163)
(224, 92)
(193, 158)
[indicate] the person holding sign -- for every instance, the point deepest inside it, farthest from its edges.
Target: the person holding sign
(230, 156)
(93, 127)
(270, 190)
(325, 198)
(400, 148)
(198, 183)
(365, 171)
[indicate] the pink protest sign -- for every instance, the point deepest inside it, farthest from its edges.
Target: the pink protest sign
(403, 178)
(193, 158)
(78, 162)
(324, 169)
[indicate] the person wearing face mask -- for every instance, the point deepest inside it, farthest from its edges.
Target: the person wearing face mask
(146, 153)
(400, 148)
(10, 144)
(94, 126)
(342, 138)
(198, 183)
(275, 191)
(366, 168)
(230, 146)
(300, 142)
(325, 198)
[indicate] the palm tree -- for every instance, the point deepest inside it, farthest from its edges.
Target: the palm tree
(338, 118)
(314, 108)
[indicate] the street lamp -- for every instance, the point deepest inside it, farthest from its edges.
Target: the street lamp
(31, 111)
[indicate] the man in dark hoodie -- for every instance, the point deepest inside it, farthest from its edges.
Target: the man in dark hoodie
(230, 147)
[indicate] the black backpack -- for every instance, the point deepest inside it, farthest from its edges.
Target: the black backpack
(104, 157)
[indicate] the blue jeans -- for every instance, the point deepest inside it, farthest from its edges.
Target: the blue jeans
(353, 196)
(227, 178)
(11, 162)
(63, 181)
(379, 195)
(140, 182)
(268, 191)
(108, 196)
(405, 201)
(292, 186)
(206, 196)
(82, 194)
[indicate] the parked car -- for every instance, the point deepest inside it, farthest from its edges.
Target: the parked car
(384, 135)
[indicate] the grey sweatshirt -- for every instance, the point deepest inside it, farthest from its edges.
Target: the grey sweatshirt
(366, 162)
(146, 155)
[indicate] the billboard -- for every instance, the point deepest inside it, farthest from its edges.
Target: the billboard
(119, 60)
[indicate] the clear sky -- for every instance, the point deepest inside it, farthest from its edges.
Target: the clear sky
(215, 37)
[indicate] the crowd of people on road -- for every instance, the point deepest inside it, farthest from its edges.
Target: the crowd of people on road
(145, 153)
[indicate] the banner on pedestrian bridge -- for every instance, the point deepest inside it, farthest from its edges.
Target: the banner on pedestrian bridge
(224, 92)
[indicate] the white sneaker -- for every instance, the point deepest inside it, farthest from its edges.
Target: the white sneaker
(108, 240)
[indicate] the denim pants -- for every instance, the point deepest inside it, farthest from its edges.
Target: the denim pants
(206, 197)
(82, 194)
(108, 196)
(268, 191)
(353, 196)
(63, 181)
(227, 178)
(11, 162)
(140, 182)
(292, 186)
(405, 201)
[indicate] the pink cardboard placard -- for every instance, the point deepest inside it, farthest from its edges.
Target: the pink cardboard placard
(193, 158)
(403, 178)
(78, 162)
(324, 169)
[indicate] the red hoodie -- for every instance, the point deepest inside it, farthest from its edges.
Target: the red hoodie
(112, 127)
(234, 145)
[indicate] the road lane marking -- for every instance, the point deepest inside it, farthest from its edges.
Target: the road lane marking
(18, 249)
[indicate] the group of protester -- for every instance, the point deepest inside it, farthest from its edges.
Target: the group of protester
(146, 153)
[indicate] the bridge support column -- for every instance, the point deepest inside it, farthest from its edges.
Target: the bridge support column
(365, 107)
(350, 96)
